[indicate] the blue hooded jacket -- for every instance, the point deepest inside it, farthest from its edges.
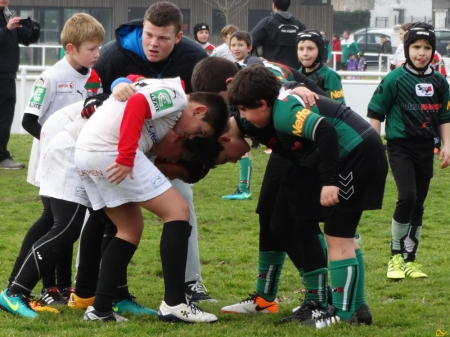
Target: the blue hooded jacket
(124, 56)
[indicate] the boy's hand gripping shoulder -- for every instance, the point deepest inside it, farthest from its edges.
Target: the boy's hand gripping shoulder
(92, 103)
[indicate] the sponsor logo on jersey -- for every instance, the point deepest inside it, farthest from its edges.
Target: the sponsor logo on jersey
(448, 105)
(297, 127)
(424, 90)
(335, 94)
(423, 107)
(152, 132)
(38, 97)
(66, 88)
(161, 100)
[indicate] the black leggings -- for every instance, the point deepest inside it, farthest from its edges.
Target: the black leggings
(412, 167)
(44, 254)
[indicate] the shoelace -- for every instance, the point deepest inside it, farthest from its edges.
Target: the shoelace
(132, 300)
(397, 262)
(198, 287)
(317, 314)
(193, 307)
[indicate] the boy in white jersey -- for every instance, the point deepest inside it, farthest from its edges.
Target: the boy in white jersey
(119, 178)
(70, 80)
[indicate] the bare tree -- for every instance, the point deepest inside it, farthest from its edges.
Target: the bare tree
(228, 8)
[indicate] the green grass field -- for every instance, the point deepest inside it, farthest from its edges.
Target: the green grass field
(228, 239)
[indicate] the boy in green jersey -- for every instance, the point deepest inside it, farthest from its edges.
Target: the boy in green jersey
(345, 150)
(310, 49)
(414, 100)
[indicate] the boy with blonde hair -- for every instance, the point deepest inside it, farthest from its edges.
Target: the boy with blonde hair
(69, 81)
(224, 49)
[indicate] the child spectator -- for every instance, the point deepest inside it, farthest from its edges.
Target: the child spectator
(362, 63)
(351, 65)
(241, 46)
(224, 49)
(201, 35)
(413, 99)
(352, 62)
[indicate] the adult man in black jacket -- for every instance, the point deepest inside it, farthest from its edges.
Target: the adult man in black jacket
(277, 35)
(12, 32)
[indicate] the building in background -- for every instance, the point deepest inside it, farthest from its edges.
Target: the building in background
(316, 14)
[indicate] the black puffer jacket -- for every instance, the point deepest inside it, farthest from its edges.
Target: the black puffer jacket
(115, 61)
(9, 44)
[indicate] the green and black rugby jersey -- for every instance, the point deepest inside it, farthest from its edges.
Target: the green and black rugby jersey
(328, 80)
(282, 72)
(413, 105)
(296, 125)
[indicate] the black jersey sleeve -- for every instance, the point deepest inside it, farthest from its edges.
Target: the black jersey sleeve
(374, 115)
(31, 125)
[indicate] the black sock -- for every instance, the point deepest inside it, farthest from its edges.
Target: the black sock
(49, 279)
(122, 293)
(64, 268)
(115, 262)
(90, 255)
(173, 249)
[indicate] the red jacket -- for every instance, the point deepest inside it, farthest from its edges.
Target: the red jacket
(336, 46)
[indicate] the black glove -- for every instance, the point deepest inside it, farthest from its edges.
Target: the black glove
(92, 103)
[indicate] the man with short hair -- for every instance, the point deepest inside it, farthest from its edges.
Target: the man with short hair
(277, 35)
(153, 47)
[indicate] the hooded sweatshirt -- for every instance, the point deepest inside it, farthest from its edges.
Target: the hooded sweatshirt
(277, 35)
(124, 56)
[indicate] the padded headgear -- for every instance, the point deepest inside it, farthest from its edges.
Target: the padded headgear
(416, 31)
(314, 36)
(198, 27)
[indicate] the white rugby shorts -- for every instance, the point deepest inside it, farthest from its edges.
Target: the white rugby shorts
(147, 184)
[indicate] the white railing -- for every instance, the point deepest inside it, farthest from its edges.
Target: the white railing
(358, 92)
(43, 53)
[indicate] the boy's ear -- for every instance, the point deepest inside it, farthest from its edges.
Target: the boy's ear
(228, 80)
(223, 139)
(200, 109)
(263, 104)
(70, 48)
